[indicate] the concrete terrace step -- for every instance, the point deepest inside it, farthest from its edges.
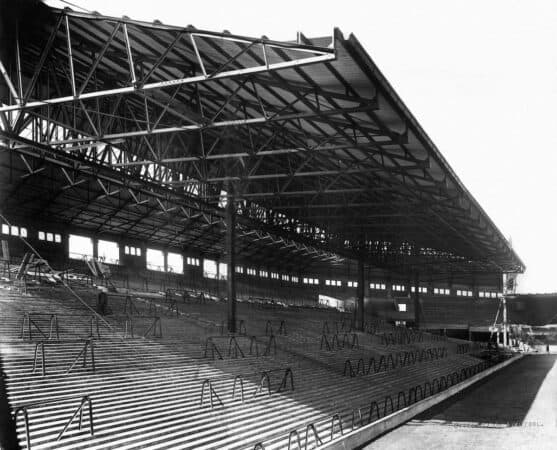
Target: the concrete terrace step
(146, 392)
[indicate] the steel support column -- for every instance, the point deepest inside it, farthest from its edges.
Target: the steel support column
(359, 312)
(231, 259)
(416, 297)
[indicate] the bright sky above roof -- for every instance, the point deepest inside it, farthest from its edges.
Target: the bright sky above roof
(480, 77)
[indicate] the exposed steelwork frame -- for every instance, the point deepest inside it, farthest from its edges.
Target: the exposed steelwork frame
(153, 121)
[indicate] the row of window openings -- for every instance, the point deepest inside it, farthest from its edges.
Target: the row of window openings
(81, 246)
(483, 294)
(133, 251)
(14, 230)
(50, 237)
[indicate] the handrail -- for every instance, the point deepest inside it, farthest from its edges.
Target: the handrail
(40, 349)
(87, 345)
(27, 320)
(361, 364)
(353, 427)
(325, 340)
(85, 399)
(371, 405)
(253, 344)
(236, 348)
(393, 365)
(283, 384)
(383, 361)
(348, 365)
(317, 440)
(264, 376)
(299, 443)
(398, 399)
(236, 378)
(374, 407)
(268, 328)
(271, 344)
(339, 421)
(282, 328)
(156, 331)
(128, 328)
(335, 339)
(41, 346)
(388, 397)
(94, 320)
(212, 393)
(132, 307)
(209, 344)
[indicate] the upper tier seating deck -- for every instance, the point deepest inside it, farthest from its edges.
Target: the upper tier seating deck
(156, 391)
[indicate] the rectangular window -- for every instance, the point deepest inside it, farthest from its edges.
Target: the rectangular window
(133, 251)
(192, 261)
(175, 262)
(50, 237)
(79, 247)
(42, 236)
(402, 307)
(58, 238)
(155, 260)
(239, 269)
(109, 252)
(223, 271)
(14, 230)
(23, 232)
(209, 269)
(5, 228)
(295, 279)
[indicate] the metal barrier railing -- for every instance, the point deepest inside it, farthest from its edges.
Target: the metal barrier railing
(88, 347)
(356, 419)
(129, 304)
(393, 361)
(235, 349)
(264, 383)
(212, 393)
(85, 400)
(28, 324)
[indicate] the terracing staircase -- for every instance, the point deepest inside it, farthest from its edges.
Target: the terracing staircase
(157, 392)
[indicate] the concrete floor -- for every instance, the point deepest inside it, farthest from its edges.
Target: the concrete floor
(516, 408)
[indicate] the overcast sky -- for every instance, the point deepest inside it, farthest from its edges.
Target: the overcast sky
(480, 77)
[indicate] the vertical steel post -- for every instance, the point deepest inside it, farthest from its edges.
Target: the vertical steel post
(416, 297)
(505, 326)
(231, 258)
(360, 316)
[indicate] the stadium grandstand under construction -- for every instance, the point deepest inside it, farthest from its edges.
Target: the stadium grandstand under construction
(217, 241)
